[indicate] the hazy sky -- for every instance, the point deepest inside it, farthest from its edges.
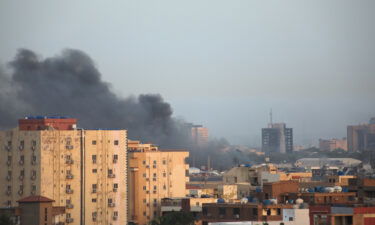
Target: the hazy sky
(220, 63)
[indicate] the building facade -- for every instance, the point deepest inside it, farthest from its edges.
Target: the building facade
(333, 144)
(81, 170)
(277, 138)
(199, 135)
(153, 175)
(361, 137)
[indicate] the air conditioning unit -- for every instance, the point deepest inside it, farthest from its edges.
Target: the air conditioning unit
(69, 147)
(33, 177)
(33, 162)
(9, 162)
(20, 192)
(7, 147)
(21, 147)
(114, 160)
(114, 189)
(69, 176)
(114, 217)
(93, 190)
(69, 220)
(21, 177)
(9, 192)
(69, 191)
(111, 204)
(69, 161)
(21, 162)
(69, 206)
(236, 216)
(111, 175)
(32, 192)
(33, 148)
(9, 178)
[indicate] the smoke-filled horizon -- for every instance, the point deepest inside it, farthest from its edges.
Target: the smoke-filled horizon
(69, 84)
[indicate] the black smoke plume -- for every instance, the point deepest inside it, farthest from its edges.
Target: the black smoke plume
(69, 84)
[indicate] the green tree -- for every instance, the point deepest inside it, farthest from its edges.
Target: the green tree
(5, 220)
(174, 218)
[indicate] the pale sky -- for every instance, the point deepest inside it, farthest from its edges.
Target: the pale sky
(219, 63)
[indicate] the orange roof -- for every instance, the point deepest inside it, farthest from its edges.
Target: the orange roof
(35, 198)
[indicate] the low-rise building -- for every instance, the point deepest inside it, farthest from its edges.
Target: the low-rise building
(232, 212)
(344, 215)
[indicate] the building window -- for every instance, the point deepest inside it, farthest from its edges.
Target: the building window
(94, 170)
(164, 174)
(155, 187)
(164, 187)
(154, 175)
(115, 142)
(94, 142)
(164, 161)
(144, 162)
(93, 200)
(45, 214)
(94, 187)
(144, 200)
(115, 185)
(115, 158)
(222, 211)
(144, 187)
(144, 175)
(93, 159)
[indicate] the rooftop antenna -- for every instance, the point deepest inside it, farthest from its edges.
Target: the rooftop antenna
(271, 116)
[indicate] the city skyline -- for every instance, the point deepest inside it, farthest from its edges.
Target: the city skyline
(302, 61)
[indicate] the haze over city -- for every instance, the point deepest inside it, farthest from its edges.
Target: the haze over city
(218, 63)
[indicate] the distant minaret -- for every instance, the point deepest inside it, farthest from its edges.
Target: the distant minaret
(270, 125)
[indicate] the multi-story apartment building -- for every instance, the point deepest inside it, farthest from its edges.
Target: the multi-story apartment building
(199, 135)
(277, 138)
(82, 170)
(333, 144)
(362, 137)
(153, 175)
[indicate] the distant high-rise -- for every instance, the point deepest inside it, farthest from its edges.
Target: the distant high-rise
(277, 138)
(197, 133)
(362, 137)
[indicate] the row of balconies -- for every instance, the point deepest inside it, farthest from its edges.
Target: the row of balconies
(20, 192)
(21, 177)
(21, 162)
(94, 218)
(21, 147)
(95, 191)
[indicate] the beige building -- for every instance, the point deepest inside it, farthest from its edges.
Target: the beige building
(199, 135)
(154, 174)
(81, 170)
(255, 175)
(332, 144)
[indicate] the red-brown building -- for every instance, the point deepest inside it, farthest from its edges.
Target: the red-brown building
(345, 215)
(277, 190)
(231, 212)
(44, 123)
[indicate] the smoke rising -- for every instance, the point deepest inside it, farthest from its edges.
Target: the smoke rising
(69, 84)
